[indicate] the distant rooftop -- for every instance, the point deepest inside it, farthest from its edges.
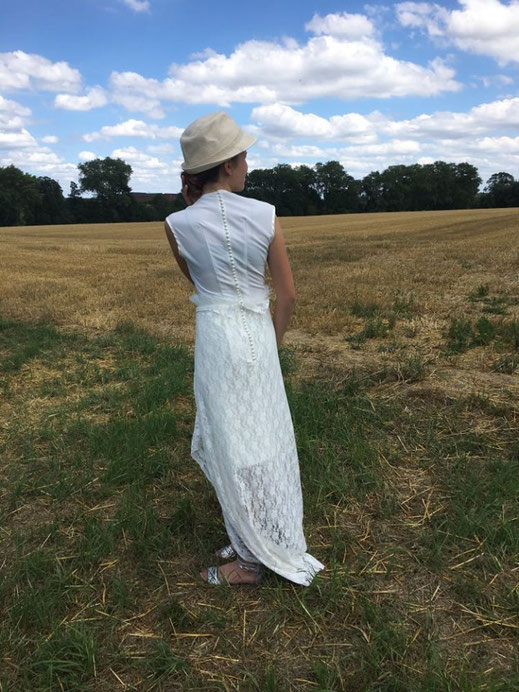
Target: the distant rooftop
(148, 196)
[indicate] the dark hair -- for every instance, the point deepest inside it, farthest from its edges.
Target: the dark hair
(196, 181)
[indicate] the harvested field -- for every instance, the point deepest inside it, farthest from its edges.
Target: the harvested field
(401, 368)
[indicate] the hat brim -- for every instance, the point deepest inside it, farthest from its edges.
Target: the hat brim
(242, 144)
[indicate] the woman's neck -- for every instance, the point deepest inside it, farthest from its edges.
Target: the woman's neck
(219, 185)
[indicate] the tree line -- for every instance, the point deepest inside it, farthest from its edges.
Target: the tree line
(103, 193)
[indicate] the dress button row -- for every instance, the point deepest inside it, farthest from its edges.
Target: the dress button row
(235, 276)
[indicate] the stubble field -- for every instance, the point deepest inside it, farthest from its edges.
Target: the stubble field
(401, 366)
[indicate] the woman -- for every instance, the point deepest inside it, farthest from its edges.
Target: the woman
(243, 437)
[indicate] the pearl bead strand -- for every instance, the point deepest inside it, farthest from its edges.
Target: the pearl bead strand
(235, 275)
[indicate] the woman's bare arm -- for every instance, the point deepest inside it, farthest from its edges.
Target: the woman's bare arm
(281, 273)
(174, 248)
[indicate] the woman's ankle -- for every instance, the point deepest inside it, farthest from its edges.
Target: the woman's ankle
(248, 566)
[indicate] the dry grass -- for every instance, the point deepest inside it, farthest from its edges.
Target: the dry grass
(393, 587)
(93, 276)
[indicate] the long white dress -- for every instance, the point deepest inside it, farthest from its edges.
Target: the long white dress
(243, 437)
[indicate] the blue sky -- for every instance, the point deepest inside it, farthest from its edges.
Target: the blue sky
(370, 85)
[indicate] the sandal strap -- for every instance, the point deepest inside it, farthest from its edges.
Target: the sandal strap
(212, 576)
(227, 552)
(250, 566)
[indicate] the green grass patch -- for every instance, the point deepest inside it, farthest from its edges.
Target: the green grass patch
(495, 305)
(463, 333)
(106, 521)
(365, 309)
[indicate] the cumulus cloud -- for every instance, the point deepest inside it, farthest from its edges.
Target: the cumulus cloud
(150, 172)
(137, 93)
(94, 98)
(484, 27)
(299, 151)
(16, 140)
(163, 148)
(423, 15)
(279, 120)
(485, 136)
(498, 144)
(86, 155)
(50, 139)
(342, 60)
(20, 70)
(136, 157)
(350, 26)
(486, 117)
(134, 128)
(42, 161)
(13, 116)
(138, 5)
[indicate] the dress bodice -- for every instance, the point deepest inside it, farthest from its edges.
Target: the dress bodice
(224, 239)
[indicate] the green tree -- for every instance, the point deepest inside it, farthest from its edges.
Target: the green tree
(467, 181)
(371, 188)
(20, 197)
(51, 208)
(290, 189)
(338, 190)
(501, 190)
(396, 188)
(108, 179)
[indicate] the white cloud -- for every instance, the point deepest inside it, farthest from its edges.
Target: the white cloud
(298, 151)
(138, 5)
(94, 98)
(164, 148)
(149, 172)
(16, 140)
(363, 143)
(134, 128)
(344, 61)
(20, 70)
(13, 116)
(479, 119)
(42, 161)
(133, 156)
(422, 15)
(484, 27)
(498, 80)
(326, 66)
(395, 146)
(86, 155)
(508, 145)
(350, 26)
(136, 93)
(281, 121)
(50, 139)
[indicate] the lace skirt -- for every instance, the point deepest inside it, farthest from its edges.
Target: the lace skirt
(244, 438)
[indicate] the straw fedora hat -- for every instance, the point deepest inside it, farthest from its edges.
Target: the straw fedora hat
(211, 140)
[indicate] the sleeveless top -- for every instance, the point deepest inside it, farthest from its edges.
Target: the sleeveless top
(224, 239)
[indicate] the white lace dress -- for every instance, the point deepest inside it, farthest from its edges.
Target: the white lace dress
(243, 437)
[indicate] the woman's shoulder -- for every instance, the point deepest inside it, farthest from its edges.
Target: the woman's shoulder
(175, 218)
(253, 204)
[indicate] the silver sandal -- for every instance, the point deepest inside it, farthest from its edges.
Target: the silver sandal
(213, 576)
(227, 553)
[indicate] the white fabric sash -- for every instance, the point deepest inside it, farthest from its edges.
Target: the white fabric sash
(207, 302)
